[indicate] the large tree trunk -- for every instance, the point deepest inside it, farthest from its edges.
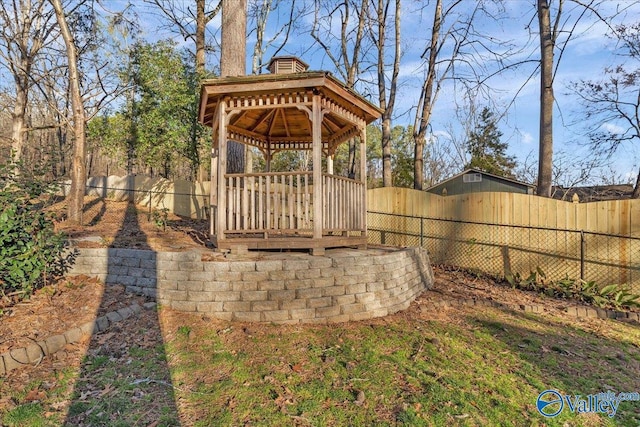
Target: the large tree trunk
(78, 170)
(545, 161)
(23, 48)
(233, 63)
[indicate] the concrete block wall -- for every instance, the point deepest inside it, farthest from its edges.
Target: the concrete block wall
(342, 285)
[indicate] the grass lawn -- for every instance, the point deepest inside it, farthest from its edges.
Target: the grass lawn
(467, 366)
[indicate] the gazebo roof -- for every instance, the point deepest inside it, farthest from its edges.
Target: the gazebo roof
(272, 109)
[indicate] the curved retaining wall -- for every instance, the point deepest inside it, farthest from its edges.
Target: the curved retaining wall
(342, 285)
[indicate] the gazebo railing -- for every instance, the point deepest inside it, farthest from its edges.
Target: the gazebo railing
(343, 204)
(271, 201)
(282, 202)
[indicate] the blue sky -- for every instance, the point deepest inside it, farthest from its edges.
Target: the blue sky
(513, 94)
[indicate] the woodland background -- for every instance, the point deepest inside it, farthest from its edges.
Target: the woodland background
(118, 82)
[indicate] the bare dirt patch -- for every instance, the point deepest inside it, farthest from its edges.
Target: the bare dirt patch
(114, 224)
(58, 308)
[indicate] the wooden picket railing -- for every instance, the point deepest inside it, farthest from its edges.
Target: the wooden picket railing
(263, 202)
(343, 204)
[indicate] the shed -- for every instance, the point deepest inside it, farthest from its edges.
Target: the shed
(310, 111)
(476, 181)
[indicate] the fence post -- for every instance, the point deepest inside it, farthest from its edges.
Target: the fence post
(582, 253)
(149, 216)
(421, 232)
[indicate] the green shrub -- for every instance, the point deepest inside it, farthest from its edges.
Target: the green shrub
(609, 296)
(160, 217)
(31, 252)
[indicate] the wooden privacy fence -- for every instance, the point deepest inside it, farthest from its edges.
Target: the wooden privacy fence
(501, 232)
(184, 198)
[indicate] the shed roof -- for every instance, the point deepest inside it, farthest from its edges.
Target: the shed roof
(472, 170)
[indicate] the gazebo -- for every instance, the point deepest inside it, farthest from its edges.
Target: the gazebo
(289, 109)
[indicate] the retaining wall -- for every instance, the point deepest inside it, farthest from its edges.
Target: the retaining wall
(342, 285)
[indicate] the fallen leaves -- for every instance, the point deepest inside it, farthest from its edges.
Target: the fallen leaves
(35, 395)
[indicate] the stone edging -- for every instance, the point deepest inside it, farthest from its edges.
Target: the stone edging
(34, 353)
(578, 311)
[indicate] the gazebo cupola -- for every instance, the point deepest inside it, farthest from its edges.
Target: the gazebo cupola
(290, 109)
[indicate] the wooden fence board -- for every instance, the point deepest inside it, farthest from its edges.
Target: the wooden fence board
(525, 246)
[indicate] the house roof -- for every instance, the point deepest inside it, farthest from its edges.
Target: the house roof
(472, 170)
(594, 193)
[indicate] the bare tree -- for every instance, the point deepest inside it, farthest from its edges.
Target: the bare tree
(611, 105)
(78, 170)
(258, 13)
(182, 15)
(349, 55)
(551, 28)
(387, 102)
(451, 27)
(548, 37)
(26, 28)
(570, 172)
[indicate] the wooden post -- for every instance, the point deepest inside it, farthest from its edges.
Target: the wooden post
(222, 168)
(316, 122)
(330, 165)
(268, 156)
(363, 175)
(213, 186)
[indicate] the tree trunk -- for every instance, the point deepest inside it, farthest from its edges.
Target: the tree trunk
(352, 73)
(418, 164)
(201, 22)
(545, 161)
(387, 107)
(233, 63)
(18, 120)
(78, 171)
(25, 29)
(385, 141)
(423, 116)
(387, 180)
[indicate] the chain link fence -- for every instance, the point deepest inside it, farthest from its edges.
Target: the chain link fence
(497, 249)
(179, 197)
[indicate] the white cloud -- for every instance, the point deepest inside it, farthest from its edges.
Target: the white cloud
(612, 128)
(526, 137)
(440, 134)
